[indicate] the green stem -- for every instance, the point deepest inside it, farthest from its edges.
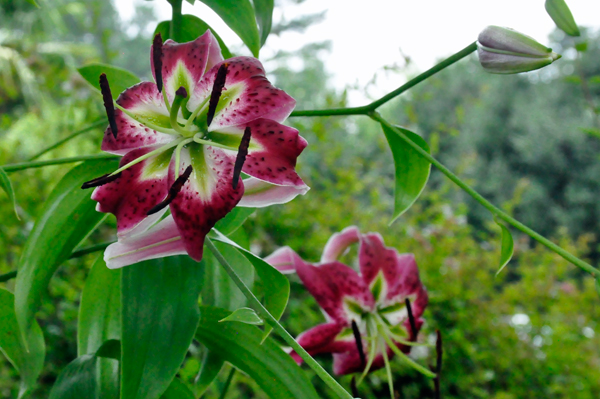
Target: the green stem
(91, 249)
(14, 167)
(176, 20)
(364, 110)
(329, 380)
(488, 205)
(227, 383)
(7, 276)
(94, 125)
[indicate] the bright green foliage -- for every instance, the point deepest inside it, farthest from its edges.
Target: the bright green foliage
(244, 315)
(507, 247)
(264, 16)
(562, 17)
(118, 78)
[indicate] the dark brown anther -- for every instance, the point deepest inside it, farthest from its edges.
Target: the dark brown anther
(157, 60)
(241, 157)
(353, 387)
(438, 364)
(359, 345)
(173, 191)
(181, 92)
(108, 104)
(215, 95)
(99, 181)
(411, 319)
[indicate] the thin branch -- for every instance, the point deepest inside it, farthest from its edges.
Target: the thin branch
(91, 127)
(14, 167)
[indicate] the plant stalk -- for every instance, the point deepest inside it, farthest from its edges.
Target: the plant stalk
(14, 167)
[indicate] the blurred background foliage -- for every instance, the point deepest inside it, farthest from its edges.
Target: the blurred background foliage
(529, 143)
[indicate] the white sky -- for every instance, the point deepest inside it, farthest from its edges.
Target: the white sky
(368, 35)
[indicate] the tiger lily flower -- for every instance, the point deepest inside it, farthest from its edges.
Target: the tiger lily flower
(368, 320)
(185, 140)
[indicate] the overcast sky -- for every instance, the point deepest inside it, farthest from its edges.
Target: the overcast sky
(367, 35)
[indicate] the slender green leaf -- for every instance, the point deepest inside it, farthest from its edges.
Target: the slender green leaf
(191, 27)
(8, 189)
(507, 250)
(234, 220)
(218, 289)
(562, 17)
(239, 16)
(264, 16)
(118, 78)
(29, 364)
(159, 316)
(412, 170)
(68, 217)
(275, 286)
(244, 315)
(178, 390)
(77, 380)
(34, 3)
(100, 322)
(212, 363)
(240, 344)
(191, 1)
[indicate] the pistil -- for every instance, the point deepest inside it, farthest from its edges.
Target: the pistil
(180, 96)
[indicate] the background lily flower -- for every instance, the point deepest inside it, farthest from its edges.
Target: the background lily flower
(185, 140)
(373, 300)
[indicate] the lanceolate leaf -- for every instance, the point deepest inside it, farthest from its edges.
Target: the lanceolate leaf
(264, 17)
(159, 316)
(191, 27)
(77, 380)
(412, 171)
(212, 363)
(275, 286)
(239, 16)
(562, 17)
(68, 217)
(29, 364)
(99, 321)
(234, 220)
(506, 252)
(240, 344)
(118, 78)
(7, 187)
(244, 315)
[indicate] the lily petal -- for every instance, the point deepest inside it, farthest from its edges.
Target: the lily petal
(206, 197)
(135, 192)
(183, 64)
(247, 95)
(332, 285)
(338, 243)
(350, 362)
(322, 339)
(273, 151)
(159, 241)
(144, 100)
(284, 259)
(259, 194)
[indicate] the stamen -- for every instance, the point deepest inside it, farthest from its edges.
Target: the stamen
(99, 181)
(411, 319)
(157, 60)
(215, 95)
(353, 387)
(438, 365)
(359, 346)
(108, 104)
(241, 158)
(173, 191)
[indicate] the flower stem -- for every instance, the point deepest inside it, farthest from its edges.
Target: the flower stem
(227, 383)
(364, 110)
(14, 167)
(176, 20)
(488, 205)
(98, 123)
(329, 380)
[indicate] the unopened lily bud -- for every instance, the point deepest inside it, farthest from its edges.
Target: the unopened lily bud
(505, 51)
(562, 17)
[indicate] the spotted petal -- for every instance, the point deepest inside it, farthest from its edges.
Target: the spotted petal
(159, 241)
(135, 192)
(338, 243)
(322, 339)
(147, 103)
(247, 95)
(338, 289)
(206, 197)
(183, 64)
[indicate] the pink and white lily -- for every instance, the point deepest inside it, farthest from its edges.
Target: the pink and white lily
(367, 317)
(185, 141)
